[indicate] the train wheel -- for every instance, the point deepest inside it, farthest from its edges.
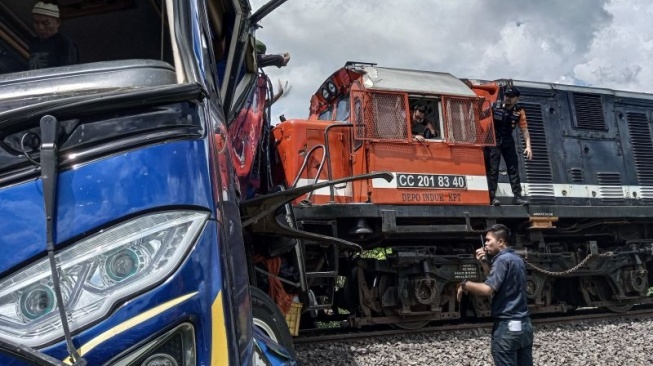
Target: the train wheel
(268, 317)
(411, 325)
(619, 308)
(605, 293)
(384, 283)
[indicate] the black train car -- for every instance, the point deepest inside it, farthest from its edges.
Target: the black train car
(591, 181)
(591, 147)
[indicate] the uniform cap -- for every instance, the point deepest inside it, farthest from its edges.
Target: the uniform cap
(512, 92)
(260, 47)
(47, 9)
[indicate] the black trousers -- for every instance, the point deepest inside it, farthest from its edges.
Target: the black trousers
(512, 347)
(493, 156)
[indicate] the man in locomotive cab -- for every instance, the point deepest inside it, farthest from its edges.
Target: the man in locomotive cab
(420, 128)
(512, 332)
(507, 116)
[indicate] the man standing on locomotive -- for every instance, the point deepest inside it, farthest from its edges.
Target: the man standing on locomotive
(512, 333)
(506, 117)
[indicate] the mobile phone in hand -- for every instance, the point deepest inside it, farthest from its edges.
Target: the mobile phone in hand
(484, 258)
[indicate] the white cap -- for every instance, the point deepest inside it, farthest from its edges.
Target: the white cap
(47, 9)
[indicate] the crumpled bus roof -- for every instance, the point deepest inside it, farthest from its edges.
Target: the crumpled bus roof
(413, 81)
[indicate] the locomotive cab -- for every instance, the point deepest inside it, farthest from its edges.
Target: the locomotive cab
(361, 122)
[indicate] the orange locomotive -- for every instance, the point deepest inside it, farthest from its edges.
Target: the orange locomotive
(388, 196)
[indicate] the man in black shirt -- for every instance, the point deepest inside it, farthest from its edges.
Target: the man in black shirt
(420, 128)
(50, 48)
(512, 333)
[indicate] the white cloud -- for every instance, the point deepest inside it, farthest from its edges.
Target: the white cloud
(605, 43)
(620, 55)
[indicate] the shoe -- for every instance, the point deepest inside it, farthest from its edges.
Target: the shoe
(286, 59)
(496, 202)
(519, 200)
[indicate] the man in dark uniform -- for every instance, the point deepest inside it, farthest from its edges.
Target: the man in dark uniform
(506, 117)
(420, 128)
(512, 333)
(50, 48)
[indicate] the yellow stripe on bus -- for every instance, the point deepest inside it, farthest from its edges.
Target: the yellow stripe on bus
(219, 349)
(86, 348)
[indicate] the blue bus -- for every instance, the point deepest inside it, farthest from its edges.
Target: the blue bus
(120, 203)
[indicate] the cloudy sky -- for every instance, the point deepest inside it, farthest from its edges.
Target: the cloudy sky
(606, 43)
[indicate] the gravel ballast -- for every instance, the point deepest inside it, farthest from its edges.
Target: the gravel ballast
(623, 341)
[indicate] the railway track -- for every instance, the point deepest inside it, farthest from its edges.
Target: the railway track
(337, 334)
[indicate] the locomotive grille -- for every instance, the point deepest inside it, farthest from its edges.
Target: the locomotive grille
(538, 170)
(589, 111)
(462, 124)
(384, 118)
(642, 145)
(577, 175)
(611, 187)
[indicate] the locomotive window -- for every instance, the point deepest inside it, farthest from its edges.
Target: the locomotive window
(325, 116)
(388, 117)
(460, 118)
(358, 123)
(433, 113)
(342, 109)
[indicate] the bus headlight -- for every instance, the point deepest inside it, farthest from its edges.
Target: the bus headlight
(95, 274)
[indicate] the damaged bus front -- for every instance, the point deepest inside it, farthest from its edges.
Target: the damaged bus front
(120, 226)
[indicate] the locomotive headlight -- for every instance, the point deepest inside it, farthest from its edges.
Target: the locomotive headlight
(325, 93)
(332, 88)
(95, 274)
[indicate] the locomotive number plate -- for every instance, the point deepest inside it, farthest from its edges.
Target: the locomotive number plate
(431, 181)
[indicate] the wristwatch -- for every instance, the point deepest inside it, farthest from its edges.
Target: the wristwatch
(464, 285)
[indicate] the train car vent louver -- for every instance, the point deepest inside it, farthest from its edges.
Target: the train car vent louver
(589, 111)
(538, 170)
(538, 92)
(642, 145)
(577, 175)
(611, 187)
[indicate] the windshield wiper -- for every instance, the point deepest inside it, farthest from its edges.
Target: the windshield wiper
(27, 354)
(49, 156)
